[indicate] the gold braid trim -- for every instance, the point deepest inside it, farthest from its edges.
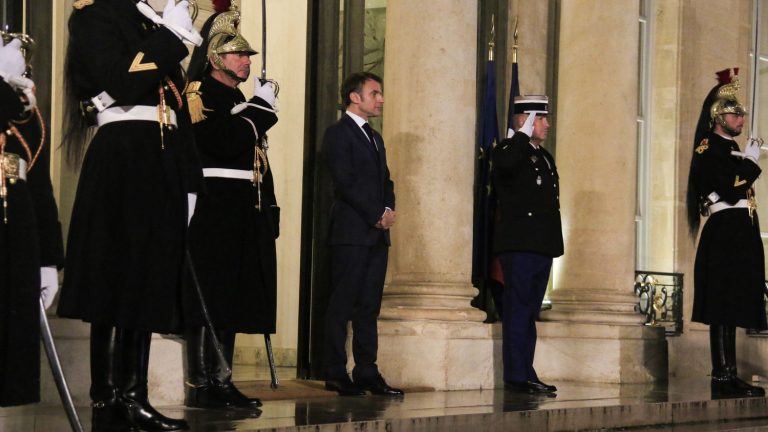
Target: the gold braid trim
(260, 167)
(3, 186)
(79, 4)
(195, 102)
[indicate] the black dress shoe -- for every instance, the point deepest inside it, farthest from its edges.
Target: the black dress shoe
(231, 392)
(530, 387)
(344, 387)
(549, 387)
(109, 416)
(219, 395)
(378, 386)
(733, 387)
(140, 413)
(748, 389)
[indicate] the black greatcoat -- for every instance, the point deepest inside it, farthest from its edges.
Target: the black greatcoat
(527, 186)
(729, 271)
(125, 249)
(31, 239)
(232, 242)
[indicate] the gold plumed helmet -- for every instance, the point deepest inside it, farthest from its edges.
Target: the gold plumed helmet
(224, 37)
(726, 101)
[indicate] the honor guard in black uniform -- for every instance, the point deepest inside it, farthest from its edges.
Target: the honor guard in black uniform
(729, 271)
(125, 251)
(527, 236)
(233, 231)
(30, 235)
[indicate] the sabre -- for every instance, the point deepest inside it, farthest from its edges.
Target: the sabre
(263, 39)
(267, 340)
(58, 374)
(226, 370)
(755, 83)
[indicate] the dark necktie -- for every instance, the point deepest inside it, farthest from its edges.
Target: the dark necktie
(369, 131)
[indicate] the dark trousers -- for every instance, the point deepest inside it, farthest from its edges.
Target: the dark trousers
(525, 282)
(358, 281)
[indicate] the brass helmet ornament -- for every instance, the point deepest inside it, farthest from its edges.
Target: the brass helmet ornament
(224, 37)
(726, 101)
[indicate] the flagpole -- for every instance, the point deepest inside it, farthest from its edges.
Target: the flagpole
(514, 86)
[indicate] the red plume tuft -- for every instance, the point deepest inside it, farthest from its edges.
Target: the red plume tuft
(221, 5)
(724, 76)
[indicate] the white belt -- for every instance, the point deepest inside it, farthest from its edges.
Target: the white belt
(14, 167)
(134, 112)
(716, 207)
(228, 173)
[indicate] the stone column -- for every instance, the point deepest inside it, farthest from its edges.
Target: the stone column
(429, 130)
(596, 155)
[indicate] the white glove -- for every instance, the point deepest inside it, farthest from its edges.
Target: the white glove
(191, 202)
(12, 63)
(752, 151)
(265, 91)
(527, 127)
(175, 18)
(49, 285)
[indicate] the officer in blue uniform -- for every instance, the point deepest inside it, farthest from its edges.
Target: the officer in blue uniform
(527, 236)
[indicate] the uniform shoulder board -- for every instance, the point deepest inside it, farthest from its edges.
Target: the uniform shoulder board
(703, 146)
(79, 4)
(195, 102)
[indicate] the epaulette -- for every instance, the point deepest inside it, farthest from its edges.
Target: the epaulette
(79, 4)
(195, 102)
(703, 146)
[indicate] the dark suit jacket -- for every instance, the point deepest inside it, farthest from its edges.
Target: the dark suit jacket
(361, 184)
(528, 191)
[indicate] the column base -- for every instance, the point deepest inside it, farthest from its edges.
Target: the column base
(607, 353)
(593, 306)
(437, 355)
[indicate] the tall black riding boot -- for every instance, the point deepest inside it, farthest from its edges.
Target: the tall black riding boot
(722, 384)
(200, 389)
(744, 388)
(219, 376)
(108, 413)
(134, 358)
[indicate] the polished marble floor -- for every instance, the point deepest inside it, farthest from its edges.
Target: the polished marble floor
(681, 406)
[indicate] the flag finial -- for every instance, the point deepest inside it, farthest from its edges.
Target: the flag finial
(492, 41)
(514, 44)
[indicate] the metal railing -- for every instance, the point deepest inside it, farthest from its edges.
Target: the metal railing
(660, 299)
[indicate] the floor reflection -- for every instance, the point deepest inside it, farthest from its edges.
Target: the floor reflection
(430, 410)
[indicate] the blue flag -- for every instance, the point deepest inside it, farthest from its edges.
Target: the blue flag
(484, 200)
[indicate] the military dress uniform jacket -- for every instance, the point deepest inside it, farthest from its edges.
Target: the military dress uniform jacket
(729, 268)
(361, 183)
(231, 240)
(528, 192)
(125, 250)
(30, 239)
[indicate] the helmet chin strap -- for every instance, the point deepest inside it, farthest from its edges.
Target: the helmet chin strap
(219, 65)
(234, 76)
(720, 119)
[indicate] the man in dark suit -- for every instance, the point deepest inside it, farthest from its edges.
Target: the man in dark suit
(362, 213)
(527, 236)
